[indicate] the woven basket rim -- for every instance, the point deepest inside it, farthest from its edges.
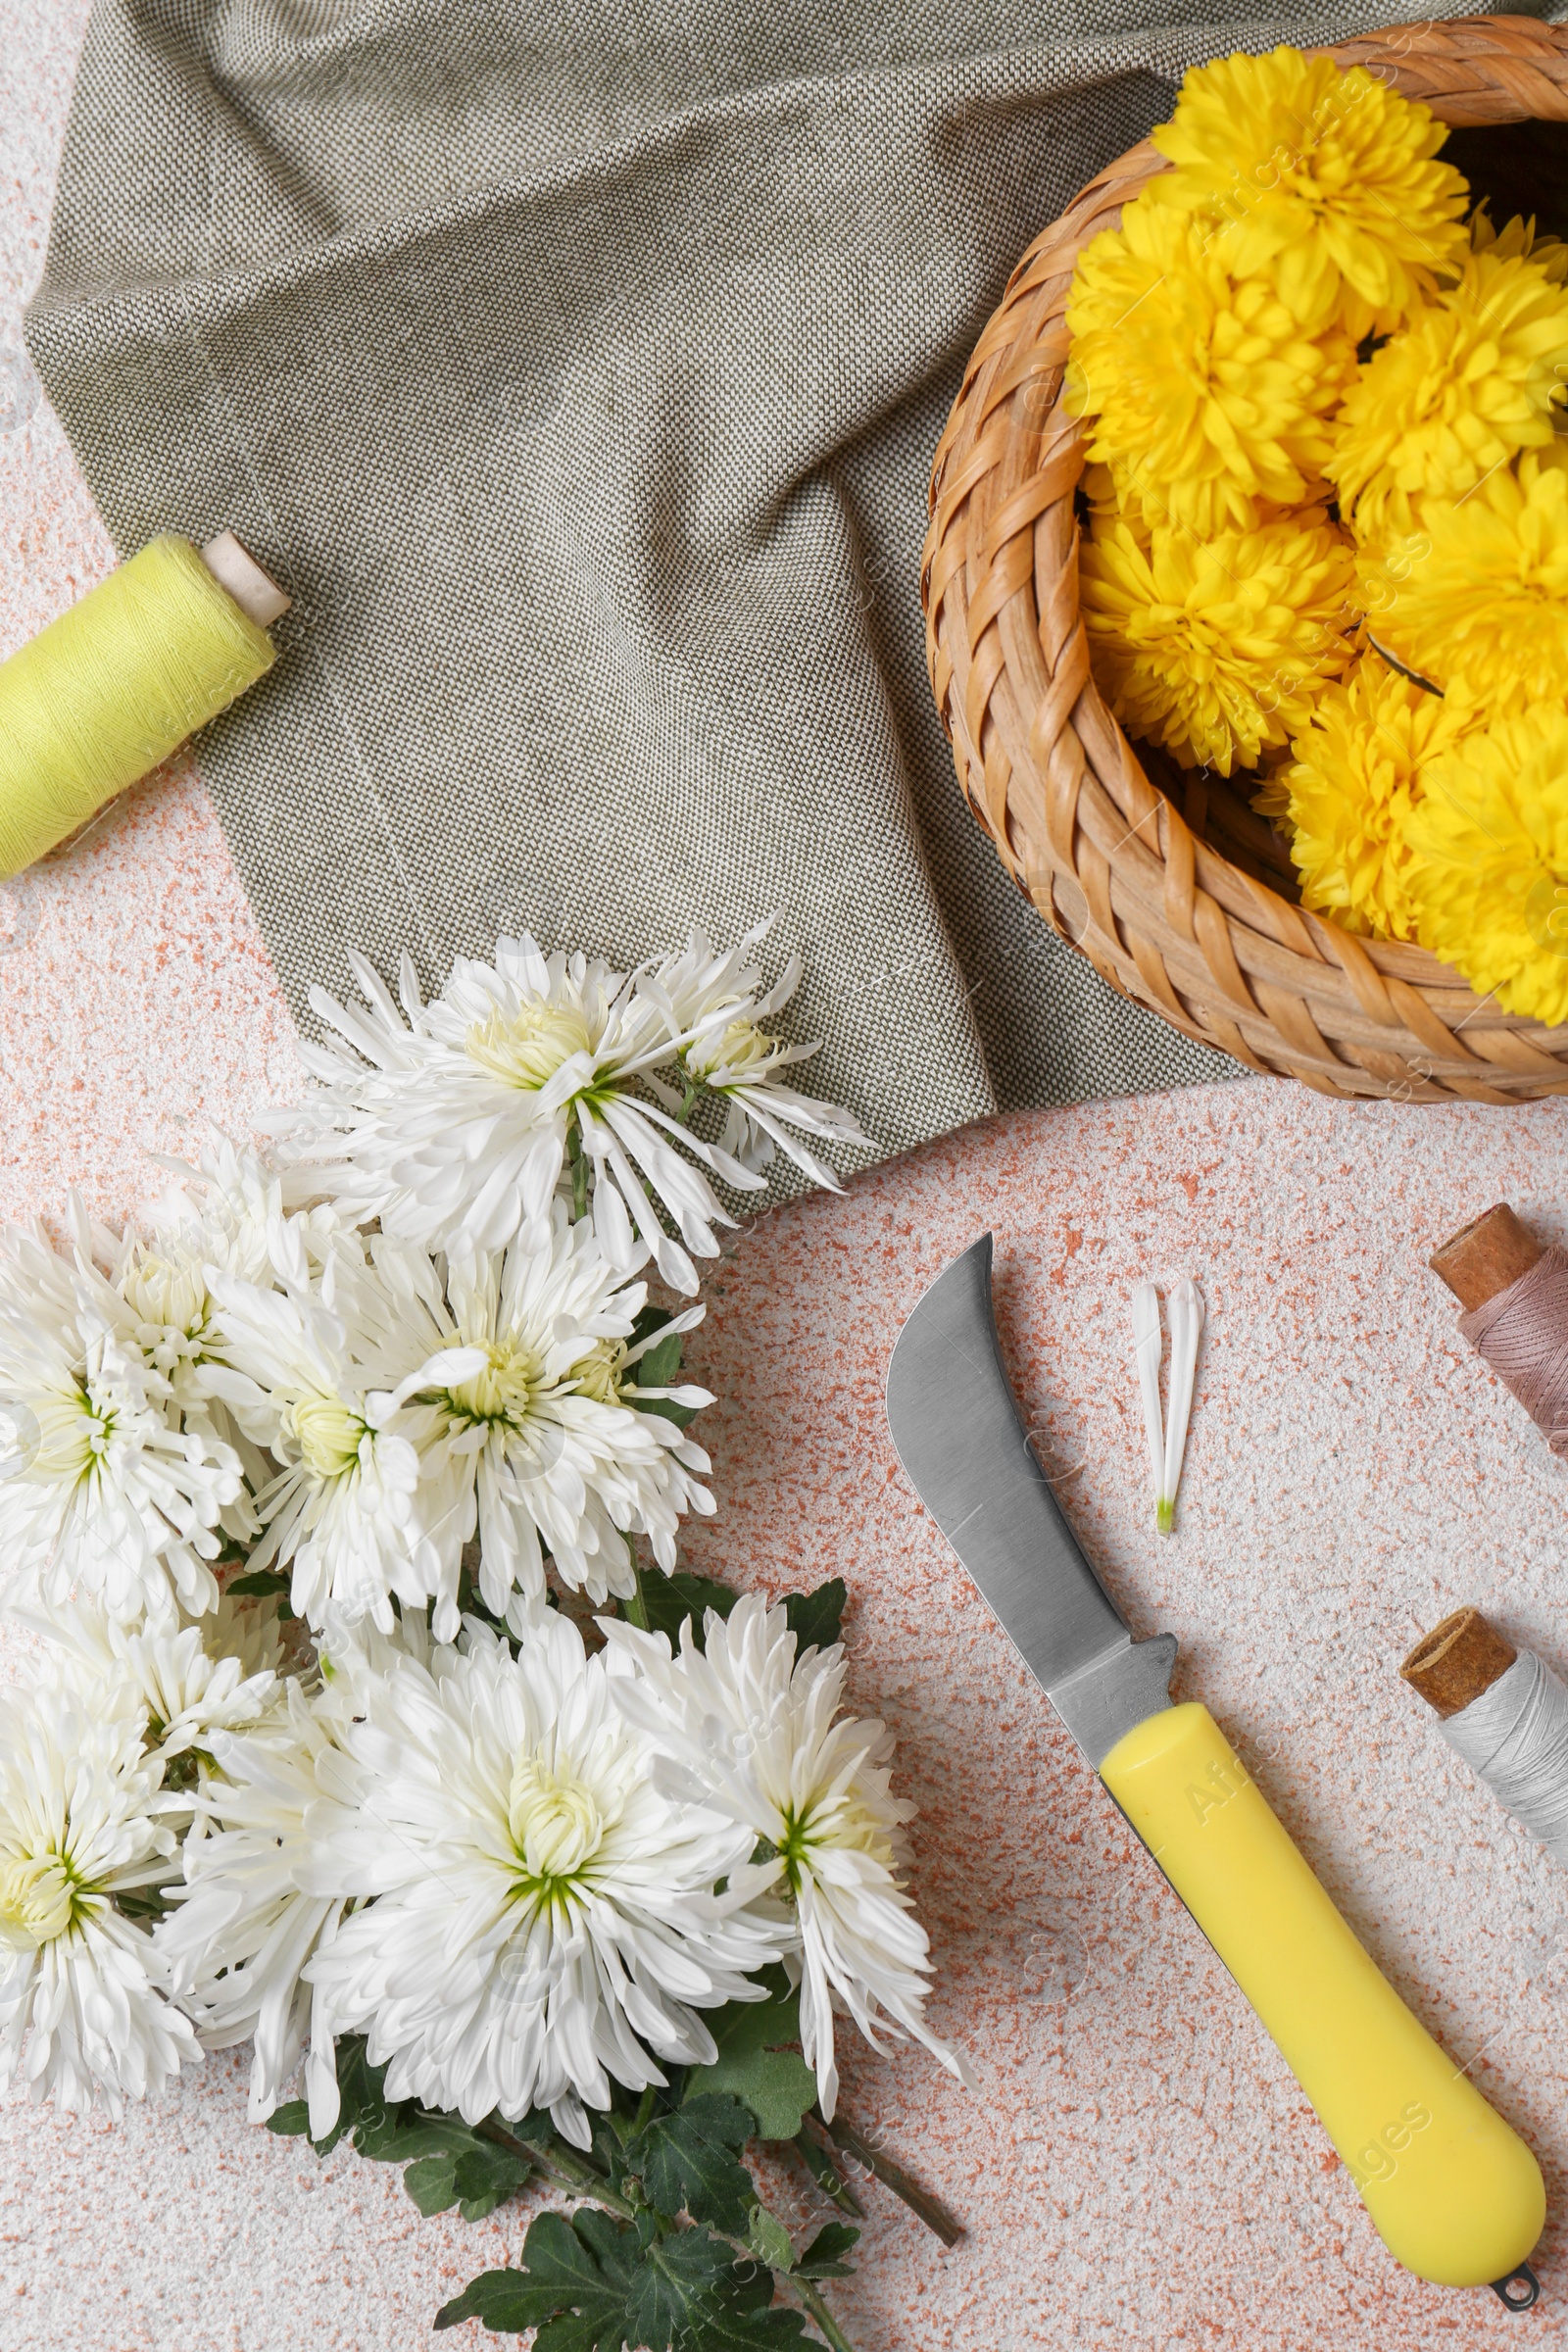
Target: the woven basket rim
(1118, 869)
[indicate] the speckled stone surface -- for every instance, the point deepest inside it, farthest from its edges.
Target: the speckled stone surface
(1139, 2170)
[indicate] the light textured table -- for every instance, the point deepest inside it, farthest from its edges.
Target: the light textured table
(1140, 2171)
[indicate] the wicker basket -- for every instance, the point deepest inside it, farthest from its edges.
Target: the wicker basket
(1176, 891)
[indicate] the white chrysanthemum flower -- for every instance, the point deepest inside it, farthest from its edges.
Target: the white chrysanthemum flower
(228, 1204)
(718, 1003)
(191, 1682)
(545, 1445)
(82, 1819)
(221, 1215)
(102, 1488)
(321, 1373)
(547, 1921)
(756, 1727)
(252, 1912)
(227, 1215)
(453, 1121)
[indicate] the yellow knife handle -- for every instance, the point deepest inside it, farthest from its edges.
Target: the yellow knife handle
(1454, 2193)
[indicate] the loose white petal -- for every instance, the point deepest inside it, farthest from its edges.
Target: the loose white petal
(1147, 1341)
(1186, 1328)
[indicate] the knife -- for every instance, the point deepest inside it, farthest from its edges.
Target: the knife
(1453, 2193)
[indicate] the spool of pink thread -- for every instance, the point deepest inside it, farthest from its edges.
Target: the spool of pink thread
(1514, 1293)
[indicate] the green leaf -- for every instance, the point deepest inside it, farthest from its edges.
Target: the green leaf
(292, 2119)
(398, 2134)
(571, 2333)
(578, 2273)
(480, 2209)
(659, 1368)
(475, 2178)
(769, 2240)
(824, 2256)
(361, 2093)
(262, 1584)
(430, 2183)
(448, 2162)
(670, 1599)
(151, 1902)
(686, 2161)
(484, 2176)
(814, 1618)
(689, 2290)
(588, 2286)
(754, 2063)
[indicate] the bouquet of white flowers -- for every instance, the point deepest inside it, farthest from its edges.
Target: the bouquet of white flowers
(364, 1727)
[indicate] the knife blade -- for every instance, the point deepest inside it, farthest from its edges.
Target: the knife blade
(1454, 2193)
(952, 1410)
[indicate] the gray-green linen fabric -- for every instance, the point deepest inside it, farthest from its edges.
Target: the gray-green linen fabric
(577, 366)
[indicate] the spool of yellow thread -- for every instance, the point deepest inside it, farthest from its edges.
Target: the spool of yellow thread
(110, 688)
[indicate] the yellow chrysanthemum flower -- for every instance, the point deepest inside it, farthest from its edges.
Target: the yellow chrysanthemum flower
(1479, 603)
(1111, 496)
(1215, 650)
(1272, 799)
(1205, 396)
(1518, 236)
(1489, 870)
(1108, 503)
(1322, 181)
(1358, 770)
(1473, 379)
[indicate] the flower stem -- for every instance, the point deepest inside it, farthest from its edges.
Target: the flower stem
(826, 2172)
(563, 2168)
(634, 1603)
(816, 2303)
(809, 2293)
(891, 2175)
(1165, 1514)
(580, 1172)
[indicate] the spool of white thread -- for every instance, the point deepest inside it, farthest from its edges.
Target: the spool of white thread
(1506, 1713)
(1515, 1737)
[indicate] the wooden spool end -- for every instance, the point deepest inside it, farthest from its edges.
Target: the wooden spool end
(1457, 1661)
(1487, 1256)
(234, 568)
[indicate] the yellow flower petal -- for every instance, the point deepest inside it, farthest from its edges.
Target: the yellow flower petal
(1474, 378)
(1518, 236)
